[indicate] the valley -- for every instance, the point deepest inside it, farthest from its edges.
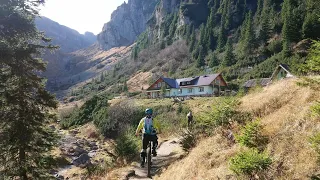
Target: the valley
(248, 72)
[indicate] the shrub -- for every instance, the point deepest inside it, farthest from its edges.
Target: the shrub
(315, 110)
(250, 162)
(275, 46)
(312, 82)
(127, 146)
(85, 113)
(99, 169)
(315, 144)
(53, 162)
(188, 140)
(250, 135)
(115, 119)
(223, 113)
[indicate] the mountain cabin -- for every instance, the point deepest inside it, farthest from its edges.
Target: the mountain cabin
(206, 85)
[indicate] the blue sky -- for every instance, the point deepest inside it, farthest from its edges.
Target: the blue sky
(81, 15)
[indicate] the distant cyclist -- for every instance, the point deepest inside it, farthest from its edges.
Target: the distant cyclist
(190, 118)
(149, 128)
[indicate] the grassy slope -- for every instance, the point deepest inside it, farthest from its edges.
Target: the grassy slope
(284, 109)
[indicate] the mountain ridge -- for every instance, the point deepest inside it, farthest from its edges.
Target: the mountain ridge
(67, 38)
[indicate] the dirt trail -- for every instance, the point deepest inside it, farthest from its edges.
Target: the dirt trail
(168, 152)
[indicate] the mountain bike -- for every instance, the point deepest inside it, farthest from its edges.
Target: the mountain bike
(149, 158)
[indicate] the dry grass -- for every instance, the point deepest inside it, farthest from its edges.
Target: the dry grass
(284, 108)
(209, 160)
(139, 81)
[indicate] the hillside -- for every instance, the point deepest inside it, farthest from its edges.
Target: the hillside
(241, 39)
(68, 39)
(284, 109)
(79, 67)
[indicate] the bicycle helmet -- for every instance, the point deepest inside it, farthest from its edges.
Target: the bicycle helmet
(148, 111)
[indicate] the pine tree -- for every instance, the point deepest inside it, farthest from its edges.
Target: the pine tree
(101, 77)
(210, 21)
(292, 25)
(258, 11)
(227, 15)
(192, 40)
(248, 41)
(215, 13)
(172, 29)
(286, 49)
(195, 53)
(265, 26)
(221, 39)
(228, 59)
(209, 31)
(313, 60)
(25, 103)
(134, 53)
(125, 86)
(311, 26)
(202, 35)
(200, 60)
(188, 33)
(213, 60)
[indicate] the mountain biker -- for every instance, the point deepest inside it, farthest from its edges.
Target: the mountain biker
(190, 118)
(149, 128)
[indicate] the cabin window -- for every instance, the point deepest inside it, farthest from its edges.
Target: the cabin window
(190, 90)
(201, 89)
(159, 84)
(188, 82)
(180, 91)
(217, 81)
(183, 83)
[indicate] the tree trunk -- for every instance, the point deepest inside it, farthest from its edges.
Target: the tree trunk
(22, 159)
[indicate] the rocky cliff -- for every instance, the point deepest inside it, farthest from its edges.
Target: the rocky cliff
(127, 23)
(68, 39)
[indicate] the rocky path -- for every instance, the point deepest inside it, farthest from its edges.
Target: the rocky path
(168, 152)
(81, 152)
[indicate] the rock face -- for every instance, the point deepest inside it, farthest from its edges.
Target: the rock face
(68, 39)
(164, 8)
(126, 24)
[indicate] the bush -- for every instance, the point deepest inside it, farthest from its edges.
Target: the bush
(188, 140)
(127, 146)
(117, 118)
(315, 144)
(250, 135)
(315, 110)
(85, 113)
(312, 82)
(275, 46)
(250, 162)
(223, 113)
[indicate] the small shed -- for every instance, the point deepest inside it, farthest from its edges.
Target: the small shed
(281, 72)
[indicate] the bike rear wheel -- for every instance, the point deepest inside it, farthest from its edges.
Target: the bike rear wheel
(149, 160)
